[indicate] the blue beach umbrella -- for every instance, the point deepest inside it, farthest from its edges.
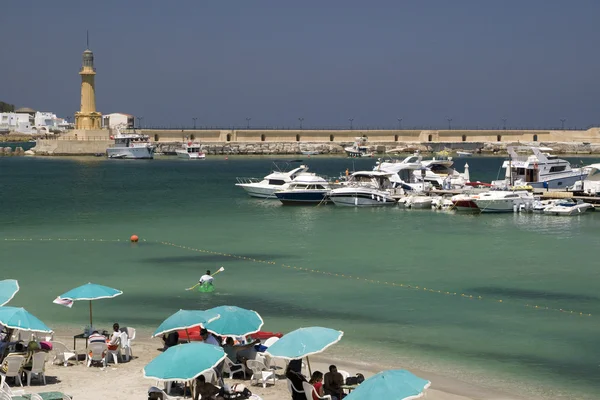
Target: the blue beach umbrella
(89, 291)
(304, 342)
(234, 321)
(19, 318)
(397, 384)
(8, 289)
(185, 319)
(184, 362)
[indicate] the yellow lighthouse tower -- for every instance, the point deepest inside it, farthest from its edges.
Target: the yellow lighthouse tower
(88, 118)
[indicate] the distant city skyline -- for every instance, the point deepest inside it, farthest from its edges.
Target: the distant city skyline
(385, 64)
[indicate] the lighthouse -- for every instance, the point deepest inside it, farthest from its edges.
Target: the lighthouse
(88, 118)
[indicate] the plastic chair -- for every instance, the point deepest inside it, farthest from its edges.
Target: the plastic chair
(14, 365)
(309, 392)
(4, 388)
(63, 354)
(130, 336)
(345, 374)
(269, 342)
(154, 389)
(38, 367)
(230, 368)
(292, 389)
(260, 373)
(125, 346)
(96, 353)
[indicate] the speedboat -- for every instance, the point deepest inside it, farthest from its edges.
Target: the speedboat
(568, 208)
(591, 184)
(305, 189)
(130, 146)
(365, 189)
(191, 151)
(464, 202)
(274, 182)
(497, 201)
(359, 148)
(538, 169)
(416, 201)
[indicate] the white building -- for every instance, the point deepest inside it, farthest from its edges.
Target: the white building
(114, 120)
(31, 122)
(16, 122)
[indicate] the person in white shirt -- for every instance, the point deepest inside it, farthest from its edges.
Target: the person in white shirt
(206, 278)
(209, 338)
(115, 337)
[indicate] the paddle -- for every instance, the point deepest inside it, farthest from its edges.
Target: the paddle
(197, 284)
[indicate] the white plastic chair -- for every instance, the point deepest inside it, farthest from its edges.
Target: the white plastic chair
(210, 376)
(130, 336)
(309, 391)
(160, 391)
(269, 342)
(4, 388)
(260, 373)
(97, 353)
(63, 354)
(125, 346)
(13, 368)
(292, 389)
(345, 374)
(116, 354)
(38, 367)
(230, 368)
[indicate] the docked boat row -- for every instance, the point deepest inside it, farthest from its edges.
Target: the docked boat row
(409, 182)
(137, 146)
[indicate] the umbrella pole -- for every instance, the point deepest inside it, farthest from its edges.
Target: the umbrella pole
(188, 335)
(90, 315)
(308, 363)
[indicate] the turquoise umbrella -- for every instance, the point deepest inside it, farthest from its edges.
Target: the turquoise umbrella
(184, 362)
(396, 384)
(185, 319)
(90, 291)
(19, 318)
(234, 321)
(8, 289)
(304, 342)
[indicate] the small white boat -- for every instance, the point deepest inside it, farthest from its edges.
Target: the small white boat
(310, 152)
(464, 154)
(130, 146)
(359, 148)
(416, 201)
(497, 201)
(568, 208)
(191, 151)
(280, 179)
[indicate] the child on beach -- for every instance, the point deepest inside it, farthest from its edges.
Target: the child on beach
(317, 381)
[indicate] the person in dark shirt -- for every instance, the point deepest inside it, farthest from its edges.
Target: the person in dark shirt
(292, 372)
(332, 383)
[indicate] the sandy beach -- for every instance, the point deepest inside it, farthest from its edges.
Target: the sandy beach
(125, 381)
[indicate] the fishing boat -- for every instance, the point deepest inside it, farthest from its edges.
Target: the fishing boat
(191, 151)
(130, 146)
(359, 148)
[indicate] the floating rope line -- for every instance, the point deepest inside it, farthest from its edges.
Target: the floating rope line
(315, 271)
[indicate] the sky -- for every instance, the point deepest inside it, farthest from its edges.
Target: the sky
(533, 62)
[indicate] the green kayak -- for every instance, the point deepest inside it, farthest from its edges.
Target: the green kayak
(206, 288)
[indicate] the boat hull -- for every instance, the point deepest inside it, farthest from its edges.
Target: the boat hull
(261, 191)
(302, 197)
(465, 205)
(497, 205)
(359, 198)
(190, 156)
(132, 153)
(556, 183)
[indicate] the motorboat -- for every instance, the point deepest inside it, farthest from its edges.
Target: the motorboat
(405, 169)
(568, 208)
(538, 206)
(538, 168)
(464, 154)
(497, 201)
(310, 152)
(439, 172)
(464, 202)
(365, 189)
(441, 203)
(130, 146)
(416, 201)
(591, 184)
(305, 189)
(359, 148)
(191, 151)
(279, 179)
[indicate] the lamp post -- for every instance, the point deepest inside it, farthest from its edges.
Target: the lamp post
(195, 118)
(248, 122)
(449, 123)
(140, 122)
(351, 125)
(399, 123)
(300, 119)
(504, 123)
(562, 121)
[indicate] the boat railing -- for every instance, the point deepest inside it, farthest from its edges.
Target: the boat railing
(245, 180)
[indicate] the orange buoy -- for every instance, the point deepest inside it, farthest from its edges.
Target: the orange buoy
(134, 238)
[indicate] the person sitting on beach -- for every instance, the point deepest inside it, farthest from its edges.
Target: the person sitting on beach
(19, 351)
(332, 383)
(205, 390)
(209, 338)
(32, 348)
(170, 340)
(317, 381)
(95, 337)
(292, 372)
(115, 337)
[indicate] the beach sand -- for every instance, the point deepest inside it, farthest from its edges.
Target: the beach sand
(125, 381)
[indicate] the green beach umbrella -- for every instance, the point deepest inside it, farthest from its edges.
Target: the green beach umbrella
(89, 291)
(184, 362)
(185, 319)
(392, 385)
(21, 319)
(234, 321)
(304, 342)
(8, 289)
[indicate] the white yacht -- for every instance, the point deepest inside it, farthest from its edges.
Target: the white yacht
(365, 188)
(277, 180)
(591, 184)
(496, 201)
(305, 189)
(538, 169)
(130, 146)
(359, 148)
(191, 151)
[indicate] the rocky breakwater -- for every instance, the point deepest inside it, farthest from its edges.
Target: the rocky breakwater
(8, 151)
(260, 148)
(557, 147)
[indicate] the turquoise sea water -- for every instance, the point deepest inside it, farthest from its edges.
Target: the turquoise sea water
(513, 262)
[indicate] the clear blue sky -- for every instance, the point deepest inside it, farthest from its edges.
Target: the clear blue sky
(531, 61)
